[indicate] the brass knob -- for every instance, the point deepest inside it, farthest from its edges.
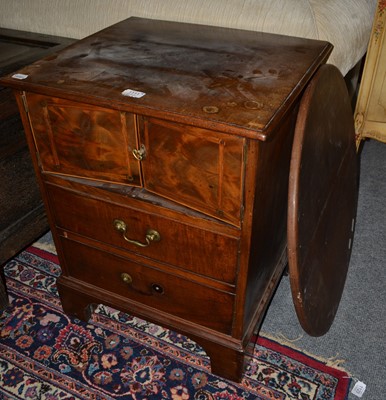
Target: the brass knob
(126, 278)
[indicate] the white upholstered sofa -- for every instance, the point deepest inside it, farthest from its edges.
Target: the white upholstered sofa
(344, 23)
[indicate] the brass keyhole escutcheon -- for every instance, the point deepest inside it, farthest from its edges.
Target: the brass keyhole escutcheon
(139, 154)
(157, 288)
(126, 278)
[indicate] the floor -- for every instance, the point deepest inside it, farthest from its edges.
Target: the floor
(357, 338)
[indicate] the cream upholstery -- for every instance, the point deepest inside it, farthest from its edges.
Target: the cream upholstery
(345, 23)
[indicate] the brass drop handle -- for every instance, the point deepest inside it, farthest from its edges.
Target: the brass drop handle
(139, 154)
(151, 234)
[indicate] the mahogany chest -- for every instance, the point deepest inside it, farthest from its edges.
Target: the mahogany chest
(163, 154)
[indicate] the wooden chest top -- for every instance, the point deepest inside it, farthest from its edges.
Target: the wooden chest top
(238, 81)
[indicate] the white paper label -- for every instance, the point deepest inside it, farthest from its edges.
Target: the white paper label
(133, 93)
(358, 389)
(19, 76)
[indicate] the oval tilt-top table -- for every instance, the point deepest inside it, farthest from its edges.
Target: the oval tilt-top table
(322, 200)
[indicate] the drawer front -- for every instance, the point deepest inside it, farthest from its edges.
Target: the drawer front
(199, 168)
(184, 246)
(149, 286)
(83, 140)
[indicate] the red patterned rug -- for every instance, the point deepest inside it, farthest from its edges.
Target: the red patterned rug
(46, 355)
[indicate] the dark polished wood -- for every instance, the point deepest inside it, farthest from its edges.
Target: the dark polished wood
(171, 206)
(224, 79)
(322, 200)
(22, 215)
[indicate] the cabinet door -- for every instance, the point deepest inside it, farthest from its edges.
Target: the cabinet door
(83, 140)
(199, 168)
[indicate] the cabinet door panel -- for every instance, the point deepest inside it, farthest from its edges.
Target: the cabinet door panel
(199, 168)
(83, 140)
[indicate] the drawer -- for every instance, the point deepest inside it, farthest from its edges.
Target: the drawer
(196, 167)
(162, 291)
(182, 245)
(82, 140)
